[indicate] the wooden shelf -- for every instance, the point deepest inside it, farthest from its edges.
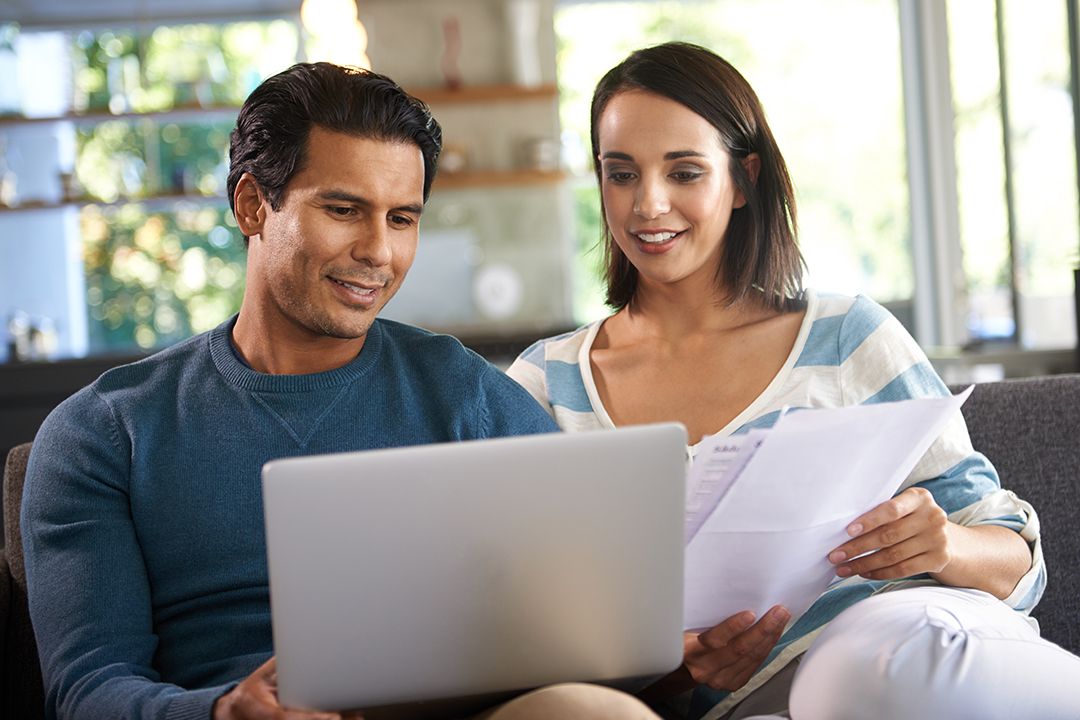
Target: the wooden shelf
(431, 95)
(496, 178)
(483, 94)
(194, 111)
(465, 180)
(162, 199)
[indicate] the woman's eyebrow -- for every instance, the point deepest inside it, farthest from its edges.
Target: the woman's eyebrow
(679, 154)
(673, 155)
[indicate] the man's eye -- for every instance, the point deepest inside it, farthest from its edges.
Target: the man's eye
(341, 210)
(402, 221)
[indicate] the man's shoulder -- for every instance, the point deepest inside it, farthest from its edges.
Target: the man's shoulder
(149, 373)
(425, 346)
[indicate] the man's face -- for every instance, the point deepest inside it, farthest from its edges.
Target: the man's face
(338, 249)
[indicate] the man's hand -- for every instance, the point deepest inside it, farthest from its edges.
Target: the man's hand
(904, 536)
(725, 656)
(256, 699)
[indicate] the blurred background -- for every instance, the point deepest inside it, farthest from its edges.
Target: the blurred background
(933, 146)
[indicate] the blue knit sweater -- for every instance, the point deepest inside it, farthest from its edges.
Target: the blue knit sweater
(142, 516)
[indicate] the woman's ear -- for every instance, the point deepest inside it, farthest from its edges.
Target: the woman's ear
(752, 165)
(250, 206)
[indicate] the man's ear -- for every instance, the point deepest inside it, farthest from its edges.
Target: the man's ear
(250, 206)
(752, 165)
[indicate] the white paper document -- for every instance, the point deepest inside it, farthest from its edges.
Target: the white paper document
(764, 509)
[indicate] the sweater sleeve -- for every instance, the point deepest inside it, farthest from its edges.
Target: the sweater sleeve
(90, 600)
(510, 410)
(881, 362)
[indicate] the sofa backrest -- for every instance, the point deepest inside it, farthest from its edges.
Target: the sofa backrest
(21, 681)
(1030, 430)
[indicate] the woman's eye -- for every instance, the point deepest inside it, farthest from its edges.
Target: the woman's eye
(686, 175)
(618, 177)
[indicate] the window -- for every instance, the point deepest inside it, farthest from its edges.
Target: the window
(137, 125)
(1016, 168)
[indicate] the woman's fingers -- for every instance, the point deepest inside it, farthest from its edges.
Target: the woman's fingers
(891, 510)
(723, 633)
(724, 659)
(919, 530)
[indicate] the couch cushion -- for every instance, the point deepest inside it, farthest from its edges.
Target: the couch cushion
(1030, 430)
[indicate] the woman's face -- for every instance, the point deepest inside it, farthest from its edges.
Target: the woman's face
(668, 194)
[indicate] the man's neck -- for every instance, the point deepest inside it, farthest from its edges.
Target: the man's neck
(290, 350)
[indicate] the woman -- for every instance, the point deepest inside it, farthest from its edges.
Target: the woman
(712, 328)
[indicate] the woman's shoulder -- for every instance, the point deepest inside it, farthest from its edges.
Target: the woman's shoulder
(848, 320)
(821, 304)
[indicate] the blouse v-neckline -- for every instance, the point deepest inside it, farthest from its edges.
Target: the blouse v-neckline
(749, 412)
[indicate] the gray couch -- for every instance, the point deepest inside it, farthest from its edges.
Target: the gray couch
(1030, 429)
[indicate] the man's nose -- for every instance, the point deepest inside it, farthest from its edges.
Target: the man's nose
(651, 200)
(372, 245)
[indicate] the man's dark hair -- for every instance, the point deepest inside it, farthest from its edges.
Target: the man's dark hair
(760, 249)
(271, 135)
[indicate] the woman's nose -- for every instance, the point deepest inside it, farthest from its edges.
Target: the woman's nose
(651, 200)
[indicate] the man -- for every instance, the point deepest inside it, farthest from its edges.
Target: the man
(142, 515)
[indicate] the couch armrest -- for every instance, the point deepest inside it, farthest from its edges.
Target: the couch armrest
(5, 609)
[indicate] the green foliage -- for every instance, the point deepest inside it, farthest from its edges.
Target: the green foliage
(157, 273)
(154, 278)
(589, 290)
(179, 66)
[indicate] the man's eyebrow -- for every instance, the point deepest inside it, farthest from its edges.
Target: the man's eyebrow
(411, 208)
(348, 197)
(342, 196)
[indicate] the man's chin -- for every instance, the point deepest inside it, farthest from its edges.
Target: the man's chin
(351, 329)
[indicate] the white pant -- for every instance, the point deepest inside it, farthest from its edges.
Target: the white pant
(934, 653)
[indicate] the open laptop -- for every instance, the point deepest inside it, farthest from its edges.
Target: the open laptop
(460, 569)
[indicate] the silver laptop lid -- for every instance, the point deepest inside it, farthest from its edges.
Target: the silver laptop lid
(464, 568)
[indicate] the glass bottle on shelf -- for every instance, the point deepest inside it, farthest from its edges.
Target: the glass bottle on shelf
(9, 70)
(8, 193)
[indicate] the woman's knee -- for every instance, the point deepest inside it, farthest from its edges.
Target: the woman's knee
(923, 653)
(575, 700)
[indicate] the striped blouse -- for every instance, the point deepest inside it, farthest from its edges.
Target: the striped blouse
(849, 351)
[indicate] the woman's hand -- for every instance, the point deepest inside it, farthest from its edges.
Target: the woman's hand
(726, 655)
(907, 535)
(723, 657)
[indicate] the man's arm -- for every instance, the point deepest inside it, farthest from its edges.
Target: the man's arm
(88, 591)
(508, 409)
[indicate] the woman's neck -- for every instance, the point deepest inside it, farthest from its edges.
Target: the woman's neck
(674, 312)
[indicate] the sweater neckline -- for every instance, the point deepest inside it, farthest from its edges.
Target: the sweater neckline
(238, 373)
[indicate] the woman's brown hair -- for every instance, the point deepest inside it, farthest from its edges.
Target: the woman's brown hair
(760, 247)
